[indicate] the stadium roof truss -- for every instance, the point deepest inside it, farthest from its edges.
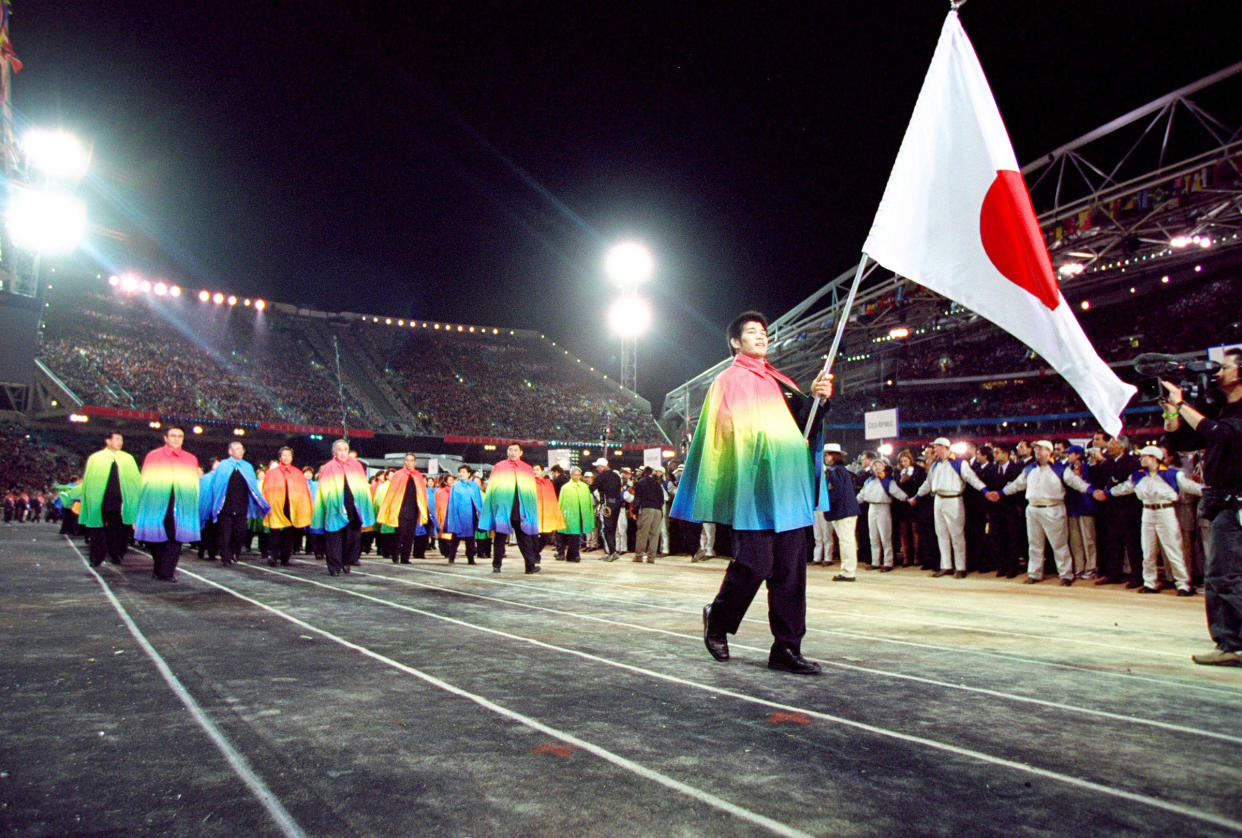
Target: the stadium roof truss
(1153, 188)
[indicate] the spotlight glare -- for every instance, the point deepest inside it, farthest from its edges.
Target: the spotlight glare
(217, 298)
(47, 222)
(204, 296)
(232, 300)
(160, 289)
(174, 290)
(57, 154)
(260, 305)
(629, 317)
(629, 264)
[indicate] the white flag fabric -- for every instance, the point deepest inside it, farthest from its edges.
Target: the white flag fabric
(956, 218)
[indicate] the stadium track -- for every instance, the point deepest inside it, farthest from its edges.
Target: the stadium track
(428, 699)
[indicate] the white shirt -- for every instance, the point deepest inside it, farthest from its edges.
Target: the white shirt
(873, 491)
(1153, 489)
(942, 478)
(1042, 483)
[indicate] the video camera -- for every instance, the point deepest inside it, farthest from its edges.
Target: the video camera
(1194, 378)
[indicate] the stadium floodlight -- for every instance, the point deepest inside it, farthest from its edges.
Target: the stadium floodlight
(629, 317)
(57, 155)
(45, 221)
(629, 264)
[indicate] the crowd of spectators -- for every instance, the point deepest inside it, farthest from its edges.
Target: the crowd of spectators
(117, 352)
(503, 386)
(1169, 320)
(32, 462)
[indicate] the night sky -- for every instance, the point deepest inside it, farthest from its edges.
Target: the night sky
(473, 162)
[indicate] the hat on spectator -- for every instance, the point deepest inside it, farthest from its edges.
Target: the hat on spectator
(658, 469)
(588, 474)
(833, 448)
(1152, 451)
(942, 440)
(1075, 449)
(601, 462)
(1042, 442)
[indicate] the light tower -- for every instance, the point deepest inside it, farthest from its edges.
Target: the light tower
(628, 265)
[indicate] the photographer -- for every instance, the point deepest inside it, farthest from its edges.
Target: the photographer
(1188, 429)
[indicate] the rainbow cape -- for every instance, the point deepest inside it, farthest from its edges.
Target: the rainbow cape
(749, 465)
(465, 506)
(218, 486)
(394, 496)
(577, 508)
(95, 481)
(441, 504)
(168, 471)
(328, 514)
(287, 483)
(510, 479)
(551, 519)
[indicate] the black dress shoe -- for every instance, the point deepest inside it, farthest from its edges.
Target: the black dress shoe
(941, 572)
(534, 569)
(332, 572)
(786, 659)
(961, 574)
(717, 644)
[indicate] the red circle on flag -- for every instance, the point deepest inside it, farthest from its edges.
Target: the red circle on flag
(1012, 238)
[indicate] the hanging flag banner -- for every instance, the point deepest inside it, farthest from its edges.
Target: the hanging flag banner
(956, 218)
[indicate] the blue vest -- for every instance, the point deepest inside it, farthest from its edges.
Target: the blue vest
(1168, 474)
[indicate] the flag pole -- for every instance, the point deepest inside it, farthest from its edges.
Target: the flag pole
(842, 319)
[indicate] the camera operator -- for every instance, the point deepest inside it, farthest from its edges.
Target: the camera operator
(1221, 504)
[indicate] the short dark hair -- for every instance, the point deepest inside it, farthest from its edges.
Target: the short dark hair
(1236, 352)
(734, 332)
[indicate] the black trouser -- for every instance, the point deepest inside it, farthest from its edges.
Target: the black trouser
(406, 527)
(280, 543)
(571, 543)
(452, 548)
(608, 532)
(232, 530)
(108, 541)
(528, 546)
(343, 547)
(208, 541)
(779, 559)
(1122, 535)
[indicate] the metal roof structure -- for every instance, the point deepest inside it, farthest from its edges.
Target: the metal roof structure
(1152, 191)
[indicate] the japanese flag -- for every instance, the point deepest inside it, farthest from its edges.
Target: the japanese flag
(957, 219)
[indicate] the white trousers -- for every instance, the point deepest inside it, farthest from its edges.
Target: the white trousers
(949, 515)
(1082, 543)
(707, 538)
(1048, 523)
(1161, 533)
(623, 529)
(823, 538)
(880, 531)
(847, 543)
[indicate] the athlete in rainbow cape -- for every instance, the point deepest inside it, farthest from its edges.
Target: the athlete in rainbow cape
(235, 498)
(342, 508)
(407, 509)
(109, 493)
(511, 507)
(168, 514)
(750, 467)
(288, 494)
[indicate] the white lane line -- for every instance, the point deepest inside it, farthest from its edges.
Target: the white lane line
(896, 641)
(604, 754)
(288, 826)
(1077, 782)
(1054, 705)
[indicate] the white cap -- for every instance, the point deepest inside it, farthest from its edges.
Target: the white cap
(1152, 451)
(833, 448)
(600, 463)
(941, 440)
(1042, 442)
